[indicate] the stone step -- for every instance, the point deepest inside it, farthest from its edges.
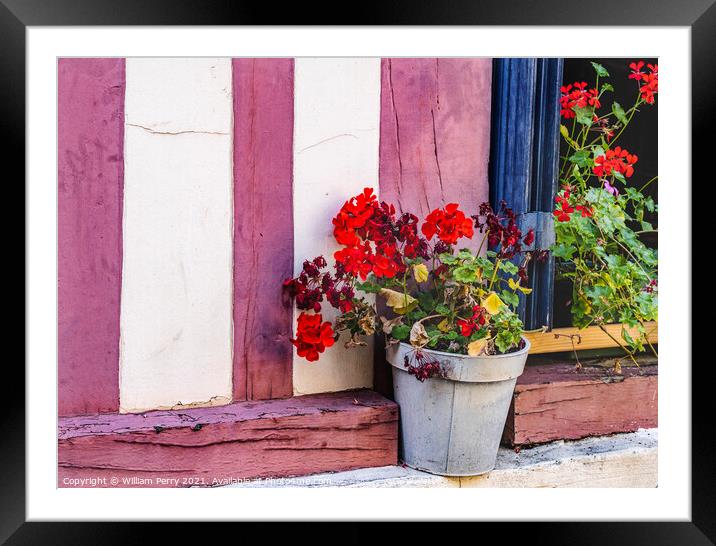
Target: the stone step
(620, 460)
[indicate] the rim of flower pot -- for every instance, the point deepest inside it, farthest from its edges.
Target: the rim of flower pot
(524, 349)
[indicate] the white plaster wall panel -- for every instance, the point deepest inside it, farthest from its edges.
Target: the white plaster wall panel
(336, 139)
(176, 95)
(175, 341)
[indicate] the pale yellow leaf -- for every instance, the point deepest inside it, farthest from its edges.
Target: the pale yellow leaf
(444, 325)
(401, 303)
(492, 303)
(420, 272)
(476, 347)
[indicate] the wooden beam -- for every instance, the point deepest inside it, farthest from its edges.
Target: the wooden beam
(220, 445)
(90, 175)
(263, 227)
(556, 402)
(558, 339)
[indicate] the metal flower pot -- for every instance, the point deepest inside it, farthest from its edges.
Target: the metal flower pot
(452, 426)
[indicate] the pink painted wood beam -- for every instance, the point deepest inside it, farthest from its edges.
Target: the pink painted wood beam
(435, 133)
(273, 438)
(263, 227)
(552, 402)
(90, 190)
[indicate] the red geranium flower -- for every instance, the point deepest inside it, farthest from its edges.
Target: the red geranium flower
(580, 97)
(355, 260)
(636, 72)
(386, 261)
(618, 159)
(651, 84)
(353, 216)
(648, 81)
(529, 238)
(312, 336)
(585, 210)
(474, 323)
(449, 224)
(563, 211)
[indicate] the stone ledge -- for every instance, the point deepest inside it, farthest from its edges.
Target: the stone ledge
(621, 460)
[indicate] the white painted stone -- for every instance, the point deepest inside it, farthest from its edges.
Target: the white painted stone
(336, 132)
(622, 460)
(175, 342)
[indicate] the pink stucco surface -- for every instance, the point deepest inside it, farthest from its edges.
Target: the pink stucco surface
(435, 133)
(90, 188)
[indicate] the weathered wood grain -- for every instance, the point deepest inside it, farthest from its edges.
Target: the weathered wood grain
(555, 402)
(263, 227)
(592, 337)
(434, 133)
(208, 446)
(90, 159)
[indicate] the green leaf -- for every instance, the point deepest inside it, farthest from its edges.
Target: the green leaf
(585, 116)
(401, 331)
(465, 274)
(426, 300)
(600, 70)
(619, 112)
(581, 158)
(563, 251)
(509, 267)
(506, 339)
(465, 254)
(368, 287)
(607, 87)
(563, 131)
(646, 226)
(447, 258)
(510, 298)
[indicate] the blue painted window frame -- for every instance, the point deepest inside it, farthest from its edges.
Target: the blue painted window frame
(524, 156)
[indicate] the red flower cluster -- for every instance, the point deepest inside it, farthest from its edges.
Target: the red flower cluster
(563, 210)
(426, 368)
(353, 218)
(372, 237)
(649, 81)
(474, 323)
(577, 95)
(651, 286)
(618, 160)
(312, 336)
(502, 230)
(449, 224)
(312, 285)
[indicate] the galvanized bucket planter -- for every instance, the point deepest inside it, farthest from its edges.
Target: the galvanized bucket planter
(452, 426)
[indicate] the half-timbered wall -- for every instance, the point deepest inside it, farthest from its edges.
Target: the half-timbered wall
(189, 189)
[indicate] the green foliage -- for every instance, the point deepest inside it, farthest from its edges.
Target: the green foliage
(614, 274)
(447, 304)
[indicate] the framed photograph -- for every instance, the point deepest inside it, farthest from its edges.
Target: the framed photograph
(402, 268)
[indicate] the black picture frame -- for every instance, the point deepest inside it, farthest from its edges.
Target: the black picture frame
(699, 15)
